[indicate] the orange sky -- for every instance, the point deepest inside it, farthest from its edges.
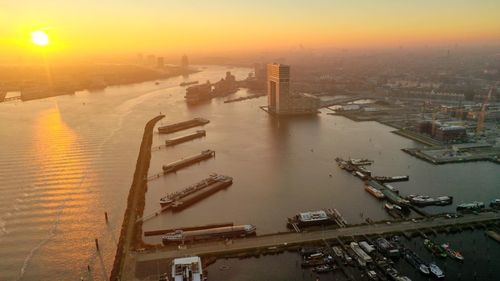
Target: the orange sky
(120, 27)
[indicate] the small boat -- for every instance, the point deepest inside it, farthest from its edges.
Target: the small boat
(452, 253)
(435, 248)
(322, 268)
(495, 203)
(372, 275)
(416, 261)
(375, 192)
(436, 270)
(474, 206)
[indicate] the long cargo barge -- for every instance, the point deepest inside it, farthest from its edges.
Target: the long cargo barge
(424, 200)
(212, 233)
(182, 125)
(194, 193)
(199, 227)
(187, 83)
(181, 139)
(391, 179)
(174, 166)
(375, 192)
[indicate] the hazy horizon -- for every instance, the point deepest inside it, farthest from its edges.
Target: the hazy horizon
(172, 28)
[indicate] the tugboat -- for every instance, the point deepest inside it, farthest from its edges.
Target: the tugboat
(435, 248)
(412, 258)
(436, 270)
(452, 253)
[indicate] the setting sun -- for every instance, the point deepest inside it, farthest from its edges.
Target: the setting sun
(40, 38)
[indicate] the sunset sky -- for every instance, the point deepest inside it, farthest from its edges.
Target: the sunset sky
(94, 27)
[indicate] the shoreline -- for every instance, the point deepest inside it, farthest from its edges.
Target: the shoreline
(130, 237)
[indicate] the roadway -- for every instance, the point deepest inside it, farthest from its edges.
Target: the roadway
(280, 239)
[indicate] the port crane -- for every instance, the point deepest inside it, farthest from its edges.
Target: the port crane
(482, 113)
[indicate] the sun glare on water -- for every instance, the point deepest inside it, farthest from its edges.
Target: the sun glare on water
(40, 38)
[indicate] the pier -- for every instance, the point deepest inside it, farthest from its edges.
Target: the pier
(131, 233)
(181, 139)
(174, 166)
(288, 239)
(172, 128)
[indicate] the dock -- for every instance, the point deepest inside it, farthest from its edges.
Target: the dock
(172, 128)
(185, 138)
(250, 244)
(174, 166)
(337, 217)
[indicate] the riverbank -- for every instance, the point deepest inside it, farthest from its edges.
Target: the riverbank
(68, 80)
(131, 233)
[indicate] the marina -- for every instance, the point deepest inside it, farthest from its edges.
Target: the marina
(172, 128)
(346, 256)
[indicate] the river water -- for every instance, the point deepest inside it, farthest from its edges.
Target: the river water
(66, 160)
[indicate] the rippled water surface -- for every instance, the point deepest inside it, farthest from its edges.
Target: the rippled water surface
(64, 161)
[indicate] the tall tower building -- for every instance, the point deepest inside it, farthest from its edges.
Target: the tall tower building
(280, 100)
(278, 88)
(184, 62)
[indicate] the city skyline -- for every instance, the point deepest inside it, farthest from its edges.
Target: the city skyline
(202, 28)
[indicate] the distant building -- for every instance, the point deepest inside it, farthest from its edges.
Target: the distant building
(140, 58)
(451, 133)
(160, 62)
(260, 72)
(280, 100)
(151, 60)
(184, 62)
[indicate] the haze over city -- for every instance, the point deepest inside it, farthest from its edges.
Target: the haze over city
(164, 140)
(116, 28)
